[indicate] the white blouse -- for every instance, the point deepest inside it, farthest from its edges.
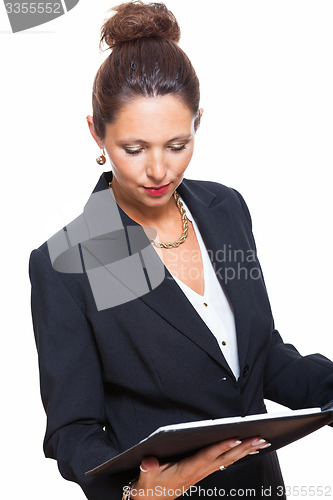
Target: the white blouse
(213, 306)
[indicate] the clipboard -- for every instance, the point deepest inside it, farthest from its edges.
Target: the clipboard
(173, 442)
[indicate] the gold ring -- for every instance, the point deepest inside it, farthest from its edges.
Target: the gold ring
(222, 467)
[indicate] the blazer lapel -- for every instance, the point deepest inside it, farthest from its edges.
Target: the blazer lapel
(222, 239)
(170, 303)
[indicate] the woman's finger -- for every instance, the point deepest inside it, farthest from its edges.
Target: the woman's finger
(149, 463)
(248, 446)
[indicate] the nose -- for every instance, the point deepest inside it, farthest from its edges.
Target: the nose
(156, 168)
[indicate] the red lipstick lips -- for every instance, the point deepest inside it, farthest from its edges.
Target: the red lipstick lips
(157, 191)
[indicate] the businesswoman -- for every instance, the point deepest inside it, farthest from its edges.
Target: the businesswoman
(138, 320)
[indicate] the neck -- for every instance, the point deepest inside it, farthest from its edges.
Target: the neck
(141, 213)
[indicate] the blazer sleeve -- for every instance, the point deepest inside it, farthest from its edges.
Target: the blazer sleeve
(71, 383)
(294, 380)
(291, 379)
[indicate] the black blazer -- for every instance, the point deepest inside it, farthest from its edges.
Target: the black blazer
(110, 375)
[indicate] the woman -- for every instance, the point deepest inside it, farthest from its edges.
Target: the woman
(150, 307)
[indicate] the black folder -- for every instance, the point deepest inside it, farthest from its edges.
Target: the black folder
(173, 442)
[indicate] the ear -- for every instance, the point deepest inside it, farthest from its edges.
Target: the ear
(93, 132)
(198, 119)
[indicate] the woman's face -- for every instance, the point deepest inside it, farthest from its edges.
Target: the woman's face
(150, 145)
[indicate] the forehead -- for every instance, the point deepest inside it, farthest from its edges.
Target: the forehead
(152, 118)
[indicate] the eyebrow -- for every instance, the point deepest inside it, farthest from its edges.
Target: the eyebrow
(185, 137)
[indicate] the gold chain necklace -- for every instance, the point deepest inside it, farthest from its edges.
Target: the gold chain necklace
(183, 237)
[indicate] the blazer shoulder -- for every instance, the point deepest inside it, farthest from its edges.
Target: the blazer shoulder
(212, 186)
(41, 254)
(39, 259)
(78, 222)
(221, 192)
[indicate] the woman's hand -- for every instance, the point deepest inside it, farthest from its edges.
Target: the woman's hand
(171, 480)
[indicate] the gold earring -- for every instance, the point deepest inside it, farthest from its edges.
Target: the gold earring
(101, 159)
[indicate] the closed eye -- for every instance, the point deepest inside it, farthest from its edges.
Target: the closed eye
(133, 151)
(177, 149)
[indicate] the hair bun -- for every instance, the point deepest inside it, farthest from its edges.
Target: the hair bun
(134, 20)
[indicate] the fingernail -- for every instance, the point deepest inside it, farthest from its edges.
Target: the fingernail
(258, 441)
(235, 443)
(265, 446)
(253, 452)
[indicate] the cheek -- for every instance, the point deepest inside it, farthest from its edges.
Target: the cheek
(184, 162)
(120, 164)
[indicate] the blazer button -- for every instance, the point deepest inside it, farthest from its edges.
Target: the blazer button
(246, 370)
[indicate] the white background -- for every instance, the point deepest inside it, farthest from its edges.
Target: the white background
(266, 76)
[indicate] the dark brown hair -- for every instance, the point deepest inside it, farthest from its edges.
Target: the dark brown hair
(145, 61)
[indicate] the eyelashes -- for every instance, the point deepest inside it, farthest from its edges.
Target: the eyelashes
(171, 148)
(133, 151)
(181, 148)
